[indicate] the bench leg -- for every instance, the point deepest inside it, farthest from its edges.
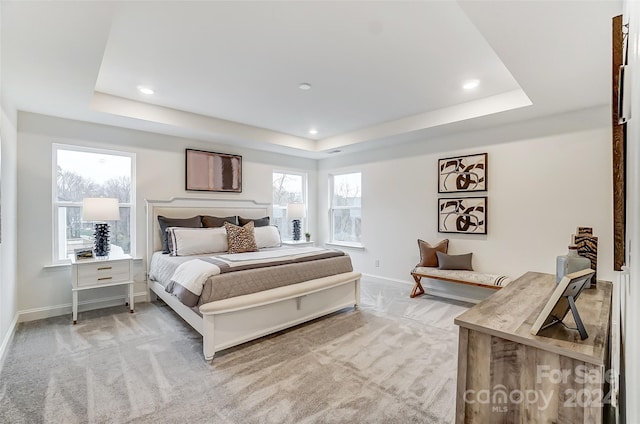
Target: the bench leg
(417, 288)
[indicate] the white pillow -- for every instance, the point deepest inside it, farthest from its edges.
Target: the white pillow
(267, 236)
(196, 241)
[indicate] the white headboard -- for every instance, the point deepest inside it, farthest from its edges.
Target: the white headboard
(182, 207)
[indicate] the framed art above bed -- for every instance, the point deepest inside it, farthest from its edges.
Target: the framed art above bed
(210, 171)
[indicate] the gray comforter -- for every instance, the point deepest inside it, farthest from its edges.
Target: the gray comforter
(199, 280)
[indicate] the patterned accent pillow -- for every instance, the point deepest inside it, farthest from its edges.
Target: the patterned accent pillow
(428, 253)
(241, 239)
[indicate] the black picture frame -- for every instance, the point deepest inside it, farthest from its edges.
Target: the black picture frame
(466, 173)
(212, 171)
(462, 215)
(562, 301)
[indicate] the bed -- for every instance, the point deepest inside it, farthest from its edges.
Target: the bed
(249, 313)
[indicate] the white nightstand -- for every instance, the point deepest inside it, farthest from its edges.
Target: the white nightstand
(298, 243)
(112, 270)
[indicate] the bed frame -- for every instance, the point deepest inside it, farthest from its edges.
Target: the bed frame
(230, 322)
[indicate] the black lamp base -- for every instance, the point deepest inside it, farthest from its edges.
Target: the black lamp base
(296, 229)
(101, 237)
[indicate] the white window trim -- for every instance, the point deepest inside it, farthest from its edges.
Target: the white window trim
(355, 245)
(305, 195)
(55, 204)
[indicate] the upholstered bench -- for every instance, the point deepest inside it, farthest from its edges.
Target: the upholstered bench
(472, 278)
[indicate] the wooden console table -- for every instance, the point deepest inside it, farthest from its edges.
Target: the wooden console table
(508, 375)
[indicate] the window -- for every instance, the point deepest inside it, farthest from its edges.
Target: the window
(83, 172)
(346, 204)
(288, 187)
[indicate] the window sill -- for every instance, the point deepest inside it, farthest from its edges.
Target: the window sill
(68, 264)
(346, 244)
(61, 265)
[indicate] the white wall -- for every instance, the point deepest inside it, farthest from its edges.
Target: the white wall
(46, 291)
(8, 218)
(8, 246)
(632, 319)
(545, 178)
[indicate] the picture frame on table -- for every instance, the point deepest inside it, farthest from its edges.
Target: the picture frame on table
(562, 301)
(83, 253)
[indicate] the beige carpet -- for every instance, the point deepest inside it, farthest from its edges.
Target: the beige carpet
(391, 361)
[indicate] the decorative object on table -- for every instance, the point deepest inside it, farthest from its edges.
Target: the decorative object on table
(210, 171)
(100, 210)
(462, 215)
(570, 263)
(296, 211)
(83, 253)
(462, 173)
(562, 300)
(307, 237)
(587, 247)
(587, 231)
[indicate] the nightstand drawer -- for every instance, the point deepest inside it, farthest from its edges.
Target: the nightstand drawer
(103, 273)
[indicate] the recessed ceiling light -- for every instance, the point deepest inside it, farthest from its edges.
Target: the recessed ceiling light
(471, 84)
(313, 132)
(304, 86)
(145, 90)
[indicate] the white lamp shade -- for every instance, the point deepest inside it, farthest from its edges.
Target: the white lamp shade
(295, 211)
(100, 209)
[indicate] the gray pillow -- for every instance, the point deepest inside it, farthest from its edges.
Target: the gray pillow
(215, 222)
(164, 222)
(454, 262)
(261, 222)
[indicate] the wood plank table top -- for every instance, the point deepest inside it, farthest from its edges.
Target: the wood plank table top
(511, 312)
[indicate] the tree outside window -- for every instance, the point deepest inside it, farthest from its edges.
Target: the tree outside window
(288, 187)
(346, 207)
(83, 172)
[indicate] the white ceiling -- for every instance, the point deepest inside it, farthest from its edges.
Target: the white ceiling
(382, 72)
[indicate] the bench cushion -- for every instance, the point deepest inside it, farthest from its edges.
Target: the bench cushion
(472, 277)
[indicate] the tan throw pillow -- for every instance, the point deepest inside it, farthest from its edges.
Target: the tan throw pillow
(241, 239)
(428, 253)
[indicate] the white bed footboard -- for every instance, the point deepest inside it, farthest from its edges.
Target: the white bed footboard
(230, 322)
(233, 321)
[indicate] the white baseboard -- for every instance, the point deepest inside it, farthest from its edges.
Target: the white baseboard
(439, 291)
(7, 339)
(86, 305)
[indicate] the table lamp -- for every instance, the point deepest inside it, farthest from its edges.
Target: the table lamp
(295, 211)
(100, 210)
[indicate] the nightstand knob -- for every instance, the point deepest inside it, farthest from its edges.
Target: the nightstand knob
(102, 268)
(104, 278)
